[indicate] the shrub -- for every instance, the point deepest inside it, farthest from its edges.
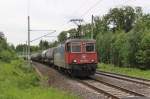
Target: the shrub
(143, 55)
(6, 53)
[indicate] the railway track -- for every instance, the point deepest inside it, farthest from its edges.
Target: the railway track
(126, 78)
(115, 91)
(109, 91)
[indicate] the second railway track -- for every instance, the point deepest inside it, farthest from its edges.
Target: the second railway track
(110, 92)
(126, 78)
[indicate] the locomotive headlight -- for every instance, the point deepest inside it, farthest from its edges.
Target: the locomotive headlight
(74, 61)
(92, 60)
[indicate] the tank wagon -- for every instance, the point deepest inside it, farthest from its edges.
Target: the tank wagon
(49, 56)
(78, 57)
(36, 57)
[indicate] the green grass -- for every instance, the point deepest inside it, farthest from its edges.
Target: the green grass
(18, 81)
(124, 70)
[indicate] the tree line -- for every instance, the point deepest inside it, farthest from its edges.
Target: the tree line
(21, 49)
(122, 37)
(127, 42)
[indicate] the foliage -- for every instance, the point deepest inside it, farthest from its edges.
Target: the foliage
(72, 32)
(126, 44)
(121, 18)
(121, 49)
(53, 44)
(6, 51)
(62, 37)
(122, 37)
(143, 54)
(43, 45)
(21, 49)
(105, 42)
(18, 81)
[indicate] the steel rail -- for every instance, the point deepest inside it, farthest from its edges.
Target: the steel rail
(124, 77)
(99, 90)
(117, 87)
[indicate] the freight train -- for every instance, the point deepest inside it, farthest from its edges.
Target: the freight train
(77, 57)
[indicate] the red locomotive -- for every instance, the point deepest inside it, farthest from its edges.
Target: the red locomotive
(76, 56)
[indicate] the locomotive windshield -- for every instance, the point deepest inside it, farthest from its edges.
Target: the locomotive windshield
(76, 47)
(90, 47)
(68, 47)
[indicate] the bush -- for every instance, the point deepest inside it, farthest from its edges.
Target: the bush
(19, 81)
(6, 53)
(143, 55)
(120, 48)
(6, 56)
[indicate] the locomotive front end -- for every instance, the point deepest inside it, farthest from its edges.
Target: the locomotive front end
(81, 57)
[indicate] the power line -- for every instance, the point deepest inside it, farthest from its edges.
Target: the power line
(121, 4)
(85, 1)
(124, 3)
(42, 30)
(93, 6)
(42, 36)
(80, 7)
(65, 24)
(77, 21)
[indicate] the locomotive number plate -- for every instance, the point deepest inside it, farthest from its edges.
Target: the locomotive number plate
(83, 61)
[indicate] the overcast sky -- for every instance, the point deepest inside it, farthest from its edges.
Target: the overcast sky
(53, 15)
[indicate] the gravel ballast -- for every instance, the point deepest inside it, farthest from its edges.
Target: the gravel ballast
(58, 80)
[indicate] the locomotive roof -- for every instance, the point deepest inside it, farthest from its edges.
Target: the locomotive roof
(80, 40)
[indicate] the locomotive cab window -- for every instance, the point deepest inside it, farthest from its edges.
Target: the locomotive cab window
(90, 47)
(76, 47)
(68, 47)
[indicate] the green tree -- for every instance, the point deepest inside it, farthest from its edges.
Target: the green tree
(62, 36)
(122, 36)
(43, 45)
(121, 18)
(53, 44)
(72, 32)
(135, 37)
(120, 49)
(100, 26)
(143, 54)
(6, 52)
(104, 46)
